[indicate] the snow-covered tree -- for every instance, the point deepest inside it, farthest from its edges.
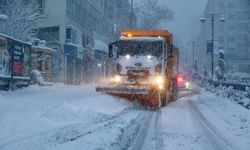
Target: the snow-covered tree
(21, 16)
(247, 92)
(151, 14)
(220, 68)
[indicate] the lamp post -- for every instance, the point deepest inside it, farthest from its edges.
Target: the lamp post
(131, 15)
(212, 17)
(193, 43)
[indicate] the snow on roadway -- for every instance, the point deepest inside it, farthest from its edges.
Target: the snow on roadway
(205, 121)
(76, 117)
(29, 112)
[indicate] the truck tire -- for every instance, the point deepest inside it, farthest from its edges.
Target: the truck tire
(163, 97)
(174, 89)
(153, 99)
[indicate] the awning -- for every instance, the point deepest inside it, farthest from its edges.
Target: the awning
(99, 45)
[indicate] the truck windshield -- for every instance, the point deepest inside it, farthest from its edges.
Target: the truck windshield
(142, 48)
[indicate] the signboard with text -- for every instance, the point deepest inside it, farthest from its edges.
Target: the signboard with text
(21, 58)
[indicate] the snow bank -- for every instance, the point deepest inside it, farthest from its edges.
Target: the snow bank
(205, 121)
(240, 97)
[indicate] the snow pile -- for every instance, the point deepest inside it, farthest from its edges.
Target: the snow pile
(241, 97)
(37, 76)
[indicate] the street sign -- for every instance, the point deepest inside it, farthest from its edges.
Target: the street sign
(209, 47)
(216, 47)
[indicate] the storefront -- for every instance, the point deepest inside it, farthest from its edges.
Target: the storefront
(42, 60)
(73, 56)
(15, 60)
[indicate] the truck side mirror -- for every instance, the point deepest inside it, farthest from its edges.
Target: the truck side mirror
(111, 50)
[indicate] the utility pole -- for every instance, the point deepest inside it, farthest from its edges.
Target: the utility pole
(193, 46)
(212, 53)
(131, 13)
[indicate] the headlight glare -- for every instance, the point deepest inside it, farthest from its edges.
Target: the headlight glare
(117, 79)
(127, 56)
(187, 84)
(160, 86)
(159, 80)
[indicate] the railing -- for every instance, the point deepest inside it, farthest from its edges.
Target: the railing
(236, 84)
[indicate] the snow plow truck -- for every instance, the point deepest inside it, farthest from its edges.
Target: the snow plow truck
(146, 67)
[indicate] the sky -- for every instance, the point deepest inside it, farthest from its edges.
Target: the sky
(187, 13)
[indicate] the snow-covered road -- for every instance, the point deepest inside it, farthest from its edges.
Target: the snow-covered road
(76, 117)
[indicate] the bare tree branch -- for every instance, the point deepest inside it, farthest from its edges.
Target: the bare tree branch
(21, 16)
(151, 14)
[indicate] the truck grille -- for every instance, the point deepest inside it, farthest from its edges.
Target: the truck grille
(137, 75)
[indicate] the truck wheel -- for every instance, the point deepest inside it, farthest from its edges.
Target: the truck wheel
(163, 98)
(154, 99)
(173, 89)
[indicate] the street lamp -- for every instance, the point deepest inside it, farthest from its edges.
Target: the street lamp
(212, 17)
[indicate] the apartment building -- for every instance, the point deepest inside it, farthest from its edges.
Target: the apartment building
(72, 28)
(233, 35)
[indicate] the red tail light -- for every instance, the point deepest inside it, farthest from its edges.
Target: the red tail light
(179, 79)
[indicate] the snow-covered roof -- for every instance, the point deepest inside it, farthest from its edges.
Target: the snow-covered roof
(149, 39)
(72, 44)
(2, 38)
(99, 45)
(44, 47)
(9, 37)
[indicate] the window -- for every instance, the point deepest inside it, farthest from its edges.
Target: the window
(48, 34)
(242, 27)
(231, 5)
(242, 38)
(243, 15)
(221, 39)
(221, 28)
(230, 16)
(221, 5)
(41, 4)
(242, 53)
(68, 33)
(231, 28)
(69, 7)
(73, 35)
(231, 39)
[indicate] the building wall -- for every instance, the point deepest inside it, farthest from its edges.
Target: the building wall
(92, 19)
(233, 36)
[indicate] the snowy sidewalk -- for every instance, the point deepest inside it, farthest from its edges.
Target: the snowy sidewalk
(33, 110)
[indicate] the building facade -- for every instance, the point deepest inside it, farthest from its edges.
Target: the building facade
(71, 28)
(233, 36)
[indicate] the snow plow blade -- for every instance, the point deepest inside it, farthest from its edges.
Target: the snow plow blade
(146, 95)
(124, 90)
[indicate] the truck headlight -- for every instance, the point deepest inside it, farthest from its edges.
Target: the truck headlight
(149, 56)
(117, 79)
(127, 56)
(159, 80)
(160, 86)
